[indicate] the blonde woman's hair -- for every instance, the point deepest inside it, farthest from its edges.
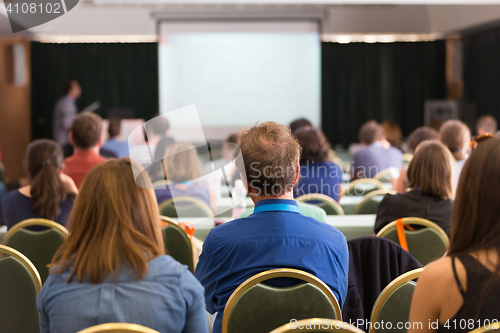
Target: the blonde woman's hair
(114, 221)
(456, 136)
(182, 162)
(431, 170)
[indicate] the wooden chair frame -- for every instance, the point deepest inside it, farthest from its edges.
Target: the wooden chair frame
(370, 195)
(118, 327)
(492, 327)
(377, 183)
(26, 262)
(323, 198)
(396, 283)
(36, 222)
(332, 326)
(417, 221)
(407, 158)
(192, 200)
(385, 172)
(272, 274)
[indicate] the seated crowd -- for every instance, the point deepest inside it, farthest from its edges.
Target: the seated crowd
(113, 267)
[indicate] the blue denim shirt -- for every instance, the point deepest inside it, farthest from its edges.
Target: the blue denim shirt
(280, 238)
(168, 299)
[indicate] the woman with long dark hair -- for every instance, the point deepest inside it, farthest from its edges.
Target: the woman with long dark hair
(460, 292)
(49, 195)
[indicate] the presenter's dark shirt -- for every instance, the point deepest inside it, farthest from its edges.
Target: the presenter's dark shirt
(277, 235)
(414, 204)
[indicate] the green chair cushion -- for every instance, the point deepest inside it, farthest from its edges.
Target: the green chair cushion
(263, 308)
(396, 309)
(424, 244)
(18, 313)
(178, 245)
(38, 246)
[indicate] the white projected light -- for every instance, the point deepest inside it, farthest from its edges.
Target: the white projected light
(237, 74)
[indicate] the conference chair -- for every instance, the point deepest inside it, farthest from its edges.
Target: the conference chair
(256, 307)
(370, 202)
(393, 305)
(318, 325)
(494, 326)
(363, 186)
(427, 242)
(184, 206)
(385, 176)
(334, 158)
(2, 172)
(407, 158)
(330, 206)
(38, 246)
(118, 328)
(19, 287)
(177, 243)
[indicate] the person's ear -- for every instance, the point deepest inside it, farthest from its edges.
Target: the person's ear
(70, 138)
(297, 175)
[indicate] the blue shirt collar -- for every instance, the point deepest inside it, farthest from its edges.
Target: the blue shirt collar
(273, 205)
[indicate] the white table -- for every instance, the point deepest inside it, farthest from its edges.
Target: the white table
(352, 226)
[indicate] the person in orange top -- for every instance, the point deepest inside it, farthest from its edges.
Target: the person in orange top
(85, 136)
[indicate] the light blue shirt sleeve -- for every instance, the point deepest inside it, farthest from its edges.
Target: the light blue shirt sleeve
(40, 305)
(196, 320)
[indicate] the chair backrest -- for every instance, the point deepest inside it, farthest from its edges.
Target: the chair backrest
(385, 176)
(318, 325)
(38, 246)
(363, 186)
(407, 158)
(2, 172)
(185, 207)
(118, 328)
(330, 206)
(370, 202)
(393, 304)
(427, 243)
(255, 307)
(177, 243)
(334, 158)
(19, 287)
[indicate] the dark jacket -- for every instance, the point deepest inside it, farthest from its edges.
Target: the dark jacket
(414, 204)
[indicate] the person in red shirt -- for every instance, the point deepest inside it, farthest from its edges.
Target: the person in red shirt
(85, 136)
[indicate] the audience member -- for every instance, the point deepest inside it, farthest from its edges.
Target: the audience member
(392, 132)
(65, 111)
(49, 195)
(161, 128)
(486, 124)
(317, 173)
(416, 137)
(463, 286)
(182, 165)
(430, 177)
(120, 148)
(85, 136)
(298, 123)
(306, 209)
(276, 235)
(374, 157)
(456, 136)
(228, 147)
(112, 267)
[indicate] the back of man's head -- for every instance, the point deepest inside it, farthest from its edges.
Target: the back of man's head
(486, 124)
(271, 159)
(370, 132)
(160, 125)
(115, 127)
(86, 130)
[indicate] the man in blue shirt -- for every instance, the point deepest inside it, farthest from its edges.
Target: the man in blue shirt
(65, 111)
(113, 144)
(276, 235)
(377, 153)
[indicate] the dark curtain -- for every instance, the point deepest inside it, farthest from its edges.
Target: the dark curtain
(381, 81)
(482, 71)
(118, 75)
